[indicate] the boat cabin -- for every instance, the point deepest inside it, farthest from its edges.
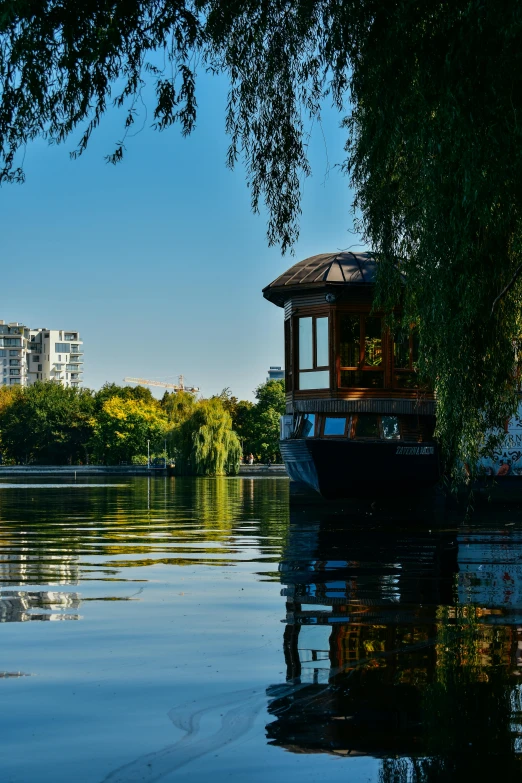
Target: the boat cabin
(347, 378)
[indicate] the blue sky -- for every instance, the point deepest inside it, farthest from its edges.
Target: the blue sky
(159, 261)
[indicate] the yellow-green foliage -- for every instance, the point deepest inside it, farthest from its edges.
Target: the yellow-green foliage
(124, 426)
(8, 394)
(48, 423)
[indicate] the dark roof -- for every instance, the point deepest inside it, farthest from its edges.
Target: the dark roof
(323, 270)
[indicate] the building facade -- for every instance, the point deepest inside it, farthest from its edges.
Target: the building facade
(31, 355)
(275, 373)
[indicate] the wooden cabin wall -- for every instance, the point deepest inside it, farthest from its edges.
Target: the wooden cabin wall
(335, 399)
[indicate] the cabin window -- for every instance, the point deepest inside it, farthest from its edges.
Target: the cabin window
(288, 355)
(360, 351)
(367, 426)
(405, 357)
(370, 425)
(390, 428)
(306, 344)
(334, 426)
(313, 353)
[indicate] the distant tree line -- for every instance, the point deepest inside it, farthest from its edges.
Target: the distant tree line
(50, 424)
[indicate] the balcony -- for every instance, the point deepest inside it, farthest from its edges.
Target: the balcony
(73, 368)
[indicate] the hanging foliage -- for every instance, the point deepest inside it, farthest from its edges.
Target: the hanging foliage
(433, 140)
(205, 443)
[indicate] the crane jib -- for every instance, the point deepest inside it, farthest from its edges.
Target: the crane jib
(175, 386)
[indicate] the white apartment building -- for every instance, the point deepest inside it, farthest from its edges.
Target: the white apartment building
(30, 355)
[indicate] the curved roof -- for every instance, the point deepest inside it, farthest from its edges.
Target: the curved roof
(344, 268)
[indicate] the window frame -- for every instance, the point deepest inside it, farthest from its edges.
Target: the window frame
(299, 426)
(315, 367)
(361, 366)
(381, 437)
(408, 372)
(347, 424)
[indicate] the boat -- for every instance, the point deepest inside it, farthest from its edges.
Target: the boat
(358, 423)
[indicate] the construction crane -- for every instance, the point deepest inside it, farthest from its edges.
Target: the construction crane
(174, 386)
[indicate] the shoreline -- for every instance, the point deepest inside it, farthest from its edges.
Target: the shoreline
(276, 471)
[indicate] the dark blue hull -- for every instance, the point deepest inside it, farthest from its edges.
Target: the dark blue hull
(350, 468)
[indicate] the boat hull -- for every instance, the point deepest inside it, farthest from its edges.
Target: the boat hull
(351, 468)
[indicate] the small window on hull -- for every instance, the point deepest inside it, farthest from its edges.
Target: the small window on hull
(390, 428)
(334, 425)
(367, 426)
(308, 425)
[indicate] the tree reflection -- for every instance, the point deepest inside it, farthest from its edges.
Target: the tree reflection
(387, 660)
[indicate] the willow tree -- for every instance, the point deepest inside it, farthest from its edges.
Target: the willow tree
(205, 443)
(430, 96)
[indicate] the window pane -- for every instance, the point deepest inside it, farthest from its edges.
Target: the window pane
(288, 355)
(334, 425)
(314, 380)
(350, 342)
(415, 347)
(305, 344)
(401, 353)
(406, 380)
(373, 342)
(308, 428)
(390, 427)
(61, 348)
(362, 380)
(367, 426)
(321, 341)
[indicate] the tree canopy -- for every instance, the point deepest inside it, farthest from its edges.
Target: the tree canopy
(205, 442)
(123, 426)
(430, 97)
(49, 424)
(257, 425)
(46, 423)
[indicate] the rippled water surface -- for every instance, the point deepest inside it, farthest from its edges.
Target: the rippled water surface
(206, 629)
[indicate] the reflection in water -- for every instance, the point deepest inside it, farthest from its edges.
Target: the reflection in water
(401, 644)
(18, 606)
(198, 550)
(52, 536)
(408, 644)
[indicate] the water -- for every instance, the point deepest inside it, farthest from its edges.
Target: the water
(199, 629)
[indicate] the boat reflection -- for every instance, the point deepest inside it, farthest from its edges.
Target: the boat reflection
(405, 644)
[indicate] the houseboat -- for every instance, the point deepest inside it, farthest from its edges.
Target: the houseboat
(357, 421)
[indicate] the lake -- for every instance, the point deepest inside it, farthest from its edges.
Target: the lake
(207, 629)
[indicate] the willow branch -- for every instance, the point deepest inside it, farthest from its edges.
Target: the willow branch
(507, 287)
